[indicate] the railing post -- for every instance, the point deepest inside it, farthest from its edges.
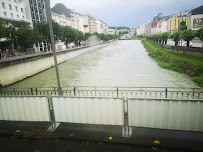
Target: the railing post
(166, 91)
(117, 91)
(193, 93)
(31, 91)
(126, 130)
(74, 91)
(54, 124)
(36, 91)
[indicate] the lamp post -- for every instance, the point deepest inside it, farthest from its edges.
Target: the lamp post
(47, 5)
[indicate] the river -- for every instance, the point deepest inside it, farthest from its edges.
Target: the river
(121, 63)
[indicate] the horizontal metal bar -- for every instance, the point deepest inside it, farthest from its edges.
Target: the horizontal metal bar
(86, 97)
(13, 96)
(163, 99)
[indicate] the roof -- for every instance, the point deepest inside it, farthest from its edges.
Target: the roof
(198, 10)
(154, 24)
(60, 9)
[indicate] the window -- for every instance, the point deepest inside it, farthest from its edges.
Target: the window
(10, 7)
(22, 10)
(11, 14)
(15, 1)
(23, 17)
(16, 8)
(5, 13)
(17, 16)
(175, 24)
(3, 5)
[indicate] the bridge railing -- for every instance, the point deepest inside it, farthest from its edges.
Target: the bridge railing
(135, 92)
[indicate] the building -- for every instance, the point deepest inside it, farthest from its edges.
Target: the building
(38, 10)
(162, 25)
(15, 10)
(195, 18)
(61, 19)
(148, 28)
(154, 27)
(86, 23)
(173, 22)
(93, 25)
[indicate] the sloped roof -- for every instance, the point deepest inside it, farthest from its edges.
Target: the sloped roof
(154, 24)
(198, 10)
(60, 9)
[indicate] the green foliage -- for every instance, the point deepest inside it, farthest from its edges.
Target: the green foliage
(2, 28)
(192, 66)
(199, 33)
(120, 28)
(183, 26)
(43, 28)
(21, 34)
(175, 37)
(187, 35)
(124, 32)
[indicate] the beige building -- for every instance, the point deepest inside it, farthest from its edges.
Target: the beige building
(62, 19)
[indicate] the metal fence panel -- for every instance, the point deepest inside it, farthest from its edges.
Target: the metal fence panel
(24, 108)
(166, 114)
(105, 111)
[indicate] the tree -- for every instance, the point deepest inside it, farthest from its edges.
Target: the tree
(183, 26)
(165, 36)
(21, 34)
(69, 35)
(43, 28)
(199, 34)
(187, 35)
(2, 28)
(175, 37)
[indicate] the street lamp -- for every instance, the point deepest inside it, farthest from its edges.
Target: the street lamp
(47, 5)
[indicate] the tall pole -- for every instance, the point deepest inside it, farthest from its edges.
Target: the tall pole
(47, 5)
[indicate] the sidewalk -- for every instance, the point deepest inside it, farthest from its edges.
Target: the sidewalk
(144, 137)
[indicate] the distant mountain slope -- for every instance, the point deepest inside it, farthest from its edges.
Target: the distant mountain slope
(60, 9)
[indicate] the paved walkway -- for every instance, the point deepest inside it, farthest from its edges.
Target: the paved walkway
(83, 133)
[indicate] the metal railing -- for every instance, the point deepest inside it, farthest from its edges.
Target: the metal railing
(136, 92)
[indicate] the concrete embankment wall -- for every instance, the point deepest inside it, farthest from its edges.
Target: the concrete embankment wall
(15, 69)
(192, 51)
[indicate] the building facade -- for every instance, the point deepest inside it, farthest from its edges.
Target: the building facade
(195, 18)
(61, 19)
(173, 22)
(38, 10)
(15, 10)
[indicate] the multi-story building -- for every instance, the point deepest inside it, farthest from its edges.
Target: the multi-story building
(62, 19)
(173, 22)
(162, 25)
(154, 27)
(148, 28)
(15, 10)
(38, 10)
(86, 23)
(93, 25)
(195, 18)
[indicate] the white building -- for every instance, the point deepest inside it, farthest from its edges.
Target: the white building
(162, 26)
(15, 10)
(142, 29)
(195, 18)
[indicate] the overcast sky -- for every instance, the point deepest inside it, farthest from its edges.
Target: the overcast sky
(129, 13)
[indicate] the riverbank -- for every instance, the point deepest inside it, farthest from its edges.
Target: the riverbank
(192, 66)
(18, 68)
